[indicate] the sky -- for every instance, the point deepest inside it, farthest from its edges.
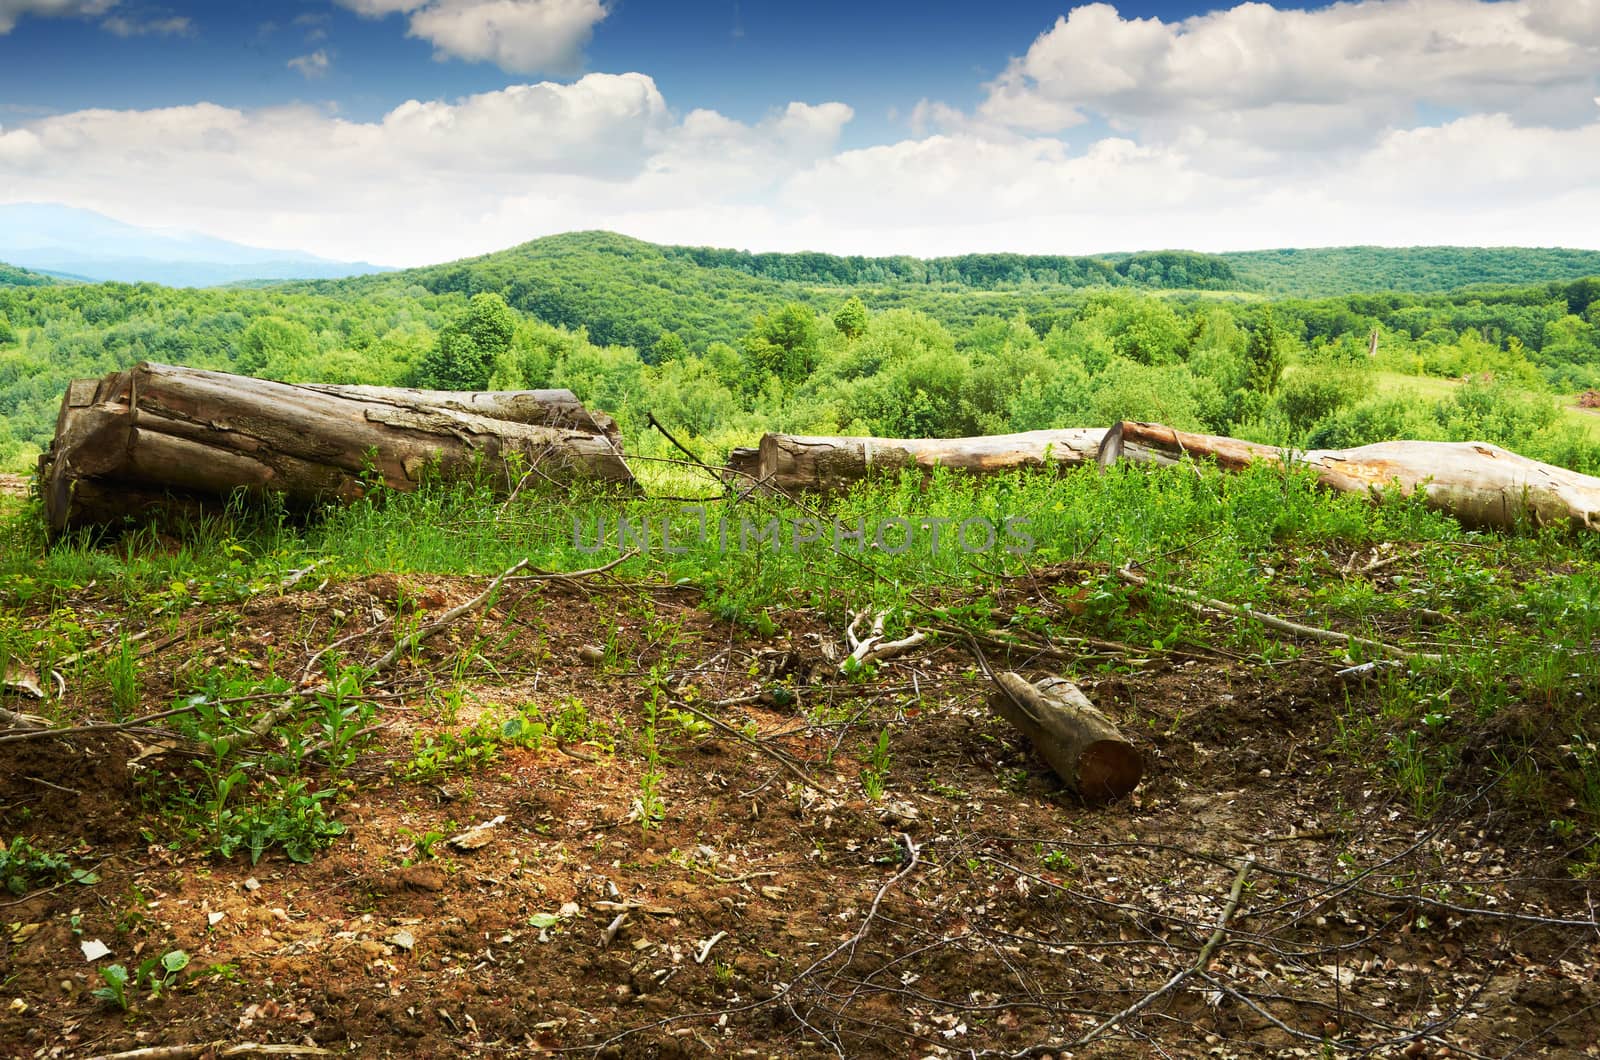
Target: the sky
(406, 132)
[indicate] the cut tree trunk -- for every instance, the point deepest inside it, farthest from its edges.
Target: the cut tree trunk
(792, 462)
(1481, 485)
(156, 437)
(1080, 743)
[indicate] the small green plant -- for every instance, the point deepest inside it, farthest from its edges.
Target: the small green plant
(161, 973)
(650, 806)
(877, 770)
(572, 724)
(435, 756)
(345, 717)
(115, 990)
(1419, 774)
(422, 843)
(24, 866)
(689, 726)
(134, 916)
(1059, 861)
(122, 673)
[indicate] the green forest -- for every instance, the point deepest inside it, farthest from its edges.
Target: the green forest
(722, 345)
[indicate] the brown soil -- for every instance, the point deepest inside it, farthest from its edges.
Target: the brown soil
(975, 907)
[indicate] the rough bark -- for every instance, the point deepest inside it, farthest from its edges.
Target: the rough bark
(1080, 743)
(743, 468)
(1481, 485)
(161, 437)
(792, 462)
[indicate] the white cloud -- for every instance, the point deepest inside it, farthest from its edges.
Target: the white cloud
(381, 8)
(426, 181)
(1338, 76)
(12, 10)
(519, 36)
(313, 65)
(176, 26)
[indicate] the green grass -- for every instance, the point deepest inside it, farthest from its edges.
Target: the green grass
(1516, 616)
(1433, 388)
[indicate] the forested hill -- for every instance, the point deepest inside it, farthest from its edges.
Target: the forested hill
(1172, 269)
(1330, 271)
(1315, 273)
(12, 276)
(628, 292)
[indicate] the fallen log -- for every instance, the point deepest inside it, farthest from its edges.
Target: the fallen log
(1080, 743)
(1481, 485)
(158, 437)
(793, 462)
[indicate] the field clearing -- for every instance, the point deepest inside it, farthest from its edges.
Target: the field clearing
(1432, 388)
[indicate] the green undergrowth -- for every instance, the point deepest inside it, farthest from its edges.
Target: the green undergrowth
(1515, 617)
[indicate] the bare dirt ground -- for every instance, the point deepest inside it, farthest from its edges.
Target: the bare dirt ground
(13, 485)
(976, 909)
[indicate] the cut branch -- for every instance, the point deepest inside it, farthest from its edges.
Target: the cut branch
(1081, 744)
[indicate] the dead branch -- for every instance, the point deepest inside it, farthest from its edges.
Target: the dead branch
(1206, 953)
(1200, 604)
(789, 767)
(218, 1048)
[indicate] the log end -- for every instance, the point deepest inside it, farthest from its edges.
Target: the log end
(1108, 770)
(1110, 450)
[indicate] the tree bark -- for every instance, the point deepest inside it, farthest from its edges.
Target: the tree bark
(157, 437)
(792, 462)
(1481, 485)
(1080, 743)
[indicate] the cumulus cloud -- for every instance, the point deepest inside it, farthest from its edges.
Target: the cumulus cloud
(313, 65)
(519, 36)
(12, 10)
(568, 155)
(1336, 76)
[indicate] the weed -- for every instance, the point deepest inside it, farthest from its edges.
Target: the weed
(422, 844)
(24, 867)
(687, 725)
(877, 769)
(345, 717)
(122, 673)
(115, 990)
(1059, 861)
(436, 756)
(572, 724)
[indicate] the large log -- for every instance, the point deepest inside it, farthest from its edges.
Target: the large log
(1080, 743)
(1481, 485)
(158, 437)
(793, 462)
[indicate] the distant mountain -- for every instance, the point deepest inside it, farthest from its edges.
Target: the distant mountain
(47, 237)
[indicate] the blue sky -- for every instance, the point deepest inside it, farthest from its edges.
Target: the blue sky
(739, 58)
(861, 127)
